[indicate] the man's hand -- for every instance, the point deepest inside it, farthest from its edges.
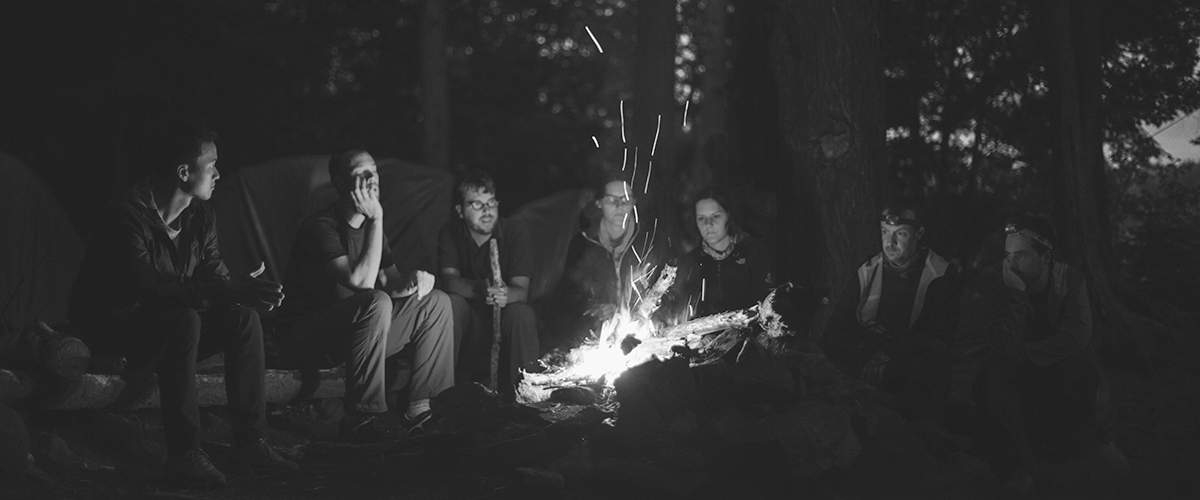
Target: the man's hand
(423, 281)
(873, 371)
(601, 311)
(1013, 281)
(497, 295)
(251, 291)
(365, 196)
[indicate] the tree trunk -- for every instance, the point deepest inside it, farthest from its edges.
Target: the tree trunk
(710, 118)
(1079, 190)
(826, 58)
(435, 106)
(654, 96)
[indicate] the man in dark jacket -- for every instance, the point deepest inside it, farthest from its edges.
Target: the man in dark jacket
(1038, 376)
(895, 319)
(464, 261)
(152, 287)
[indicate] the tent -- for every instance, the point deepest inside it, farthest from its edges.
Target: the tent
(40, 250)
(260, 207)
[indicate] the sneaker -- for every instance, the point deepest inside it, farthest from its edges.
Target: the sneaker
(194, 469)
(416, 425)
(1019, 482)
(364, 428)
(261, 458)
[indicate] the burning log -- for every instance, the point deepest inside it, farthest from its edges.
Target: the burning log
(652, 298)
(714, 323)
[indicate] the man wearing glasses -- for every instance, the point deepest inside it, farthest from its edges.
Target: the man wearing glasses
(464, 261)
(1039, 377)
(896, 318)
(348, 302)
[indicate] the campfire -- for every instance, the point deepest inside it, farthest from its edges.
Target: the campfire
(630, 338)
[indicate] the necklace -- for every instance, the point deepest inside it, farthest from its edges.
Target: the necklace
(720, 254)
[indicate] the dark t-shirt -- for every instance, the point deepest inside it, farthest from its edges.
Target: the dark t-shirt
(899, 293)
(322, 237)
(458, 250)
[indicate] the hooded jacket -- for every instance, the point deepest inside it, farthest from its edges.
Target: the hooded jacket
(131, 262)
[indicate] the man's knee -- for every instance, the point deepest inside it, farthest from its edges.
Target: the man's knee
(518, 314)
(441, 302)
(373, 305)
(184, 321)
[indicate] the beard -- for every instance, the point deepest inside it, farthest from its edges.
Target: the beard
(480, 227)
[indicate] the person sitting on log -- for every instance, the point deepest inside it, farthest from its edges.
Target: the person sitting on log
(152, 287)
(464, 260)
(349, 303)
(1038, 378)
(729, 270)
(600, 262)
(896, 318)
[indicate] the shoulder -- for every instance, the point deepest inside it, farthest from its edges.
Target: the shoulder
(322, 220)
(514, 230)
(1067, 277)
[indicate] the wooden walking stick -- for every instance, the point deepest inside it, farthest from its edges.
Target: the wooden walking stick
(494, 380)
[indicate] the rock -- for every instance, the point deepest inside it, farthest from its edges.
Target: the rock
(812, 368)
(14, 443)
(969, 470)
(641, 477)
(575, 465)
(681, 458)
(894, 461)
(651, 396)
(735, 425)
(121, 435)
(465, 408)
(758, 378)
(684, 427)
(577, 395)
(815, 435)
(540, 483)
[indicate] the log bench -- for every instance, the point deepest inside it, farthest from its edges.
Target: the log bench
(93, 391)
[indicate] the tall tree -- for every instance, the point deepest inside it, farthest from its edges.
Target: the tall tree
(653, 111)
(1081, 201)
(826, 59)
(435, 101)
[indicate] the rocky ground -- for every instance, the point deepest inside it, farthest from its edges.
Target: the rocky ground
(569, 451)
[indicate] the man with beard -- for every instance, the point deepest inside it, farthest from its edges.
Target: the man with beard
(464, 259)
(152, 287)
(350, 303)
(896, 318)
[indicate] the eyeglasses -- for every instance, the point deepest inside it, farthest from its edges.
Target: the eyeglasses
(617, 201)
(479, 205)
(1016, 229)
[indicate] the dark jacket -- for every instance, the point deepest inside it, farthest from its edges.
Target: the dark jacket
(935, 309)
(740, 280)
(593, 275)
(131, 263)
(1069, 313)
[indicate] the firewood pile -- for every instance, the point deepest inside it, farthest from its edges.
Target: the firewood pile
(738, 391)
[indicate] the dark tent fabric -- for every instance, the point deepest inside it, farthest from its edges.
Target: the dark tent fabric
(260, 208)
(552, 222)
(40, 250)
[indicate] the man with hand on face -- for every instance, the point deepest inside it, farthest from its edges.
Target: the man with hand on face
(152, 287)
(464, 259)
(896, 318)
(350, 303)
(1039, 378)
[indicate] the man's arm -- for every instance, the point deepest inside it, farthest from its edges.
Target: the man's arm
(1074, 331)
(130, 248)
(453, 282)
(360, 272)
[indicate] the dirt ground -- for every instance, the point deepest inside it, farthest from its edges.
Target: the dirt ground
(1155, 425)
